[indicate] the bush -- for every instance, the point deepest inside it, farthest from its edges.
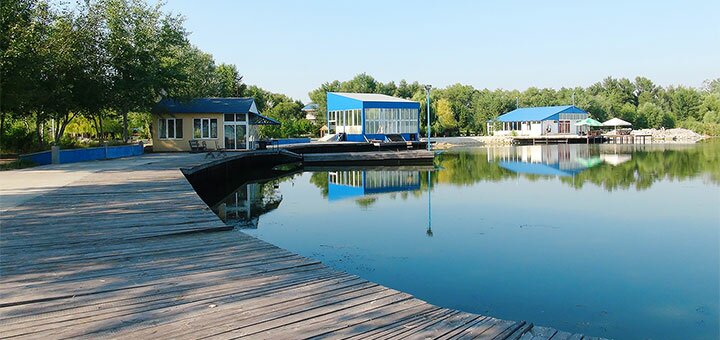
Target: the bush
(710, 129)
(17, 164)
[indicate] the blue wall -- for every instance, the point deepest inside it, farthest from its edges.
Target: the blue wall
(40, 158)
(88, 154)
(290, 141)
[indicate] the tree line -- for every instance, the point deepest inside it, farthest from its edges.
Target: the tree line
(97, 67)
(462, 109)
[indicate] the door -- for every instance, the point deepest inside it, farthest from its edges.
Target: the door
(240, 137)
(229, 136)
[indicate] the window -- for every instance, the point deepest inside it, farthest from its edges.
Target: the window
(205, 128)
(170, 128)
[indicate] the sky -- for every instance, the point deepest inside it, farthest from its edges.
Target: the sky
(292, 47)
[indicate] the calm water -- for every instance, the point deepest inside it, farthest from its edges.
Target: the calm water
(615, 241)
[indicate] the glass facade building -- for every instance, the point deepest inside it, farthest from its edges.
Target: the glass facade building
(367, 116)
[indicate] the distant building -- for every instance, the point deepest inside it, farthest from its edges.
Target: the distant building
(310, 111)
(538, 121)
(367, 116)
(229, 123)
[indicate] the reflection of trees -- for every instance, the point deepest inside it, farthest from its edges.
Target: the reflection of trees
(648, 167)
(320, 179)
(365, 202)
(244, 206)
(466, 167)
(644, 169)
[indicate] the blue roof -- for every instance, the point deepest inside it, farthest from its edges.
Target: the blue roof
(206, 105)
(525, 114)
(311, 107)
(214, 105)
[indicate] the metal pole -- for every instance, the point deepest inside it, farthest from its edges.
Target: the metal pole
(429, 231)
(427, 94)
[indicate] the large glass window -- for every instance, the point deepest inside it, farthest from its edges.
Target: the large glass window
(390, 121)
(205, 128)
(170, 128)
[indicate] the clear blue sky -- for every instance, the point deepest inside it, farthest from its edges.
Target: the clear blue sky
(292, 47)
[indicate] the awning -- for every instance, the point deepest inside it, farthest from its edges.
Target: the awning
(616, 122)
(258, 119)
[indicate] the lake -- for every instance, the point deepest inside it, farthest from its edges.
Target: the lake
(616, 241)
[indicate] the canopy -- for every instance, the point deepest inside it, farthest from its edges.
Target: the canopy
(588, 122)
(616, 122)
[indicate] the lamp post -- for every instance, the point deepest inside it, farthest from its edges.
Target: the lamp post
(427, 94)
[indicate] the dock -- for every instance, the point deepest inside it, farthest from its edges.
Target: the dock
(628, 139)
(557, 139)
(129, 250)
(418, 157)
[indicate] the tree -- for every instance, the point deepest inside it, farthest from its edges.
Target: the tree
(710, 108)
(655, 116)
(685, 103)
(229, 81)
(446, 116)
(142, 45)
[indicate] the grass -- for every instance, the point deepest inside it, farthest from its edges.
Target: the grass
(16, 164)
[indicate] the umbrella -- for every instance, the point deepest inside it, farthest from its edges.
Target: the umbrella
(589, 122)
(616, 122)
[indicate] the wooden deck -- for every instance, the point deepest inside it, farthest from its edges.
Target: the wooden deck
(135, 253)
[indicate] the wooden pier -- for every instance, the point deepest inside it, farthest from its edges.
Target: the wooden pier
(134, 253)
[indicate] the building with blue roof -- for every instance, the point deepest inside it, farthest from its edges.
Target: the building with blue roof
(229, 123)
(539, 121)
(368, 116)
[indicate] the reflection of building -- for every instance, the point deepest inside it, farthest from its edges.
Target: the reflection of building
(538, 121)
(219, 122)
(244, 206)
(548, 160)
(356, 183)
(365, 116)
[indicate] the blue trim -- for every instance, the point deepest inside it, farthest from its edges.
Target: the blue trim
(87, 154)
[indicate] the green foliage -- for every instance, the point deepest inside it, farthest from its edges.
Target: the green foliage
(655, 116)
(446, 116)
(17, 164)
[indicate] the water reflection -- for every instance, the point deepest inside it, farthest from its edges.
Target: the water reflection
(612, 167)
(617, 241)
(546, 160)
(359, 183)
(244, 206)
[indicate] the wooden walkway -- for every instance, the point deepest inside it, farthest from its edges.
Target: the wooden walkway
(136, 253)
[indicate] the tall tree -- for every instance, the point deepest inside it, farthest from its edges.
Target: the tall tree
(141, 44)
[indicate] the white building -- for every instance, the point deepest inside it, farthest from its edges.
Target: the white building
(539, 121)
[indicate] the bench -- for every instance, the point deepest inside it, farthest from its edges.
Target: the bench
(196, 146)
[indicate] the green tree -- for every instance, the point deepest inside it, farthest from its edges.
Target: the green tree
(142, 45)
(446, 116)
(685, 103)
(655, 115)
